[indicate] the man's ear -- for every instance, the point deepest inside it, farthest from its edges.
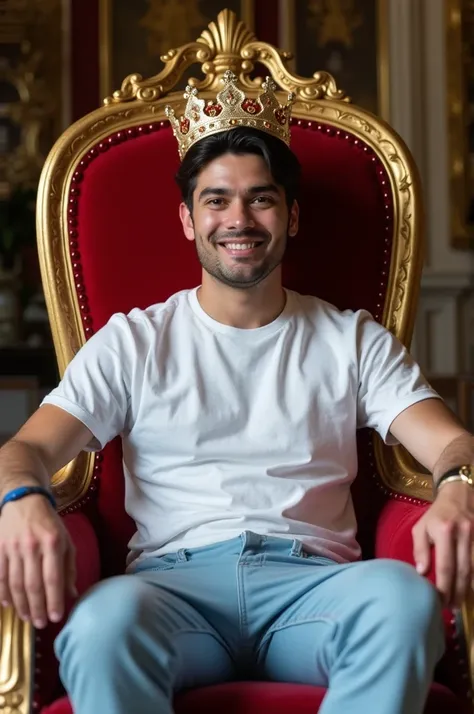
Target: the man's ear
(187, 221)
(293, 222)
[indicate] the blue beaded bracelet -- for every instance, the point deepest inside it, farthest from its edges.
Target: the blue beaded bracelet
(23, 491)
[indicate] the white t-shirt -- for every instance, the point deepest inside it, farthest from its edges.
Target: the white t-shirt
(227, 429)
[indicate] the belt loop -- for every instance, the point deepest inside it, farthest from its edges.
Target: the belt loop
(181, 555)
(297, 548)
(251, 540)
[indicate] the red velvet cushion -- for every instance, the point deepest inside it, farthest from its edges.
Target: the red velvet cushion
(259, 697)
(132, 251)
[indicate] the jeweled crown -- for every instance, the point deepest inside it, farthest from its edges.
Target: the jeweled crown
(229, 110)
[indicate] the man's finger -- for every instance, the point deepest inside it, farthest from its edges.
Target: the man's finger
(17, 585)
(445, 559)
(53, 577)
(463, 561)
(34, 587)
(421, 550)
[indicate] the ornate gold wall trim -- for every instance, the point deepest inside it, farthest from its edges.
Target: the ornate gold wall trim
(462, 233)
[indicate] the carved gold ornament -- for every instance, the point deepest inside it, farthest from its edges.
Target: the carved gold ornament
(226, 44)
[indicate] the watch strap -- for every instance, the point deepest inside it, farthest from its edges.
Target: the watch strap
(463, 473)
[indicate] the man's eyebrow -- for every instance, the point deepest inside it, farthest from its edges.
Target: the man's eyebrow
(210, 191)
(265, 188)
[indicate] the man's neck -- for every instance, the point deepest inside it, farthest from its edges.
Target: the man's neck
(246, 309)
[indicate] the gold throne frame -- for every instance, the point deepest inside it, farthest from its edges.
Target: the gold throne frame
(225, 44)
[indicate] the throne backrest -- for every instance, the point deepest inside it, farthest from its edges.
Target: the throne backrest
(110, 237)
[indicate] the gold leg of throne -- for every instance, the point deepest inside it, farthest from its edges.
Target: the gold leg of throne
(16, 663)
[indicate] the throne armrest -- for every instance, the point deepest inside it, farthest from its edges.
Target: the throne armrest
(86, 544)
(393, 538)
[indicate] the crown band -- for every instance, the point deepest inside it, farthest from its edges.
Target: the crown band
(230, 109)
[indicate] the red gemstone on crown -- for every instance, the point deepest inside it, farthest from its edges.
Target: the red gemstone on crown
(251, 106)
(184, 125)
(280, 116)
(230, 98)
(212, 110)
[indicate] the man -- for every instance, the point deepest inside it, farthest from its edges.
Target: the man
(238, 404)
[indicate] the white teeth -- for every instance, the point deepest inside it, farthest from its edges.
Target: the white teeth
(240, 246)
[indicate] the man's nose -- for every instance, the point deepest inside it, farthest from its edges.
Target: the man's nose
(239, 216)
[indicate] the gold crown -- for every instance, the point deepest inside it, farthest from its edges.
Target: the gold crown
(229, 110)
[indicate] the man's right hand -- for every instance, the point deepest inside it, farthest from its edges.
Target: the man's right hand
(37, 560)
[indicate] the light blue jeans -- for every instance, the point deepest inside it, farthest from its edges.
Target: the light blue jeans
(254, 607)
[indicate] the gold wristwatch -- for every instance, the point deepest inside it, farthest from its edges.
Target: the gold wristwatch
(463, 473)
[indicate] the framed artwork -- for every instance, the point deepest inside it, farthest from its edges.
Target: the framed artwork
(134, 35)
(31, 89)
(349, 39)
(460, 116)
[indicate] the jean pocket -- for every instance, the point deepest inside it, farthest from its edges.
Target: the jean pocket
(156, 563)
(319, 559)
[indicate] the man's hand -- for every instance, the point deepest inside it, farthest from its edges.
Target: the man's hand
(448, 525)
(37, 563)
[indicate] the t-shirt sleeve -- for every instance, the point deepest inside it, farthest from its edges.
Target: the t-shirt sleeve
(389, 378)
(95, 387)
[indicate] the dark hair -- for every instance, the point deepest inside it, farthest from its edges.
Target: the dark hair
(281, 161)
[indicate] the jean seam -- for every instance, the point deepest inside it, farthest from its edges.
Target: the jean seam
(243, 624)
(198, 631)
(292, 623)
(255, 561)
(158, 570)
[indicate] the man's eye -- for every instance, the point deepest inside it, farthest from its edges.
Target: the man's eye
(263, 199)
(215, 202)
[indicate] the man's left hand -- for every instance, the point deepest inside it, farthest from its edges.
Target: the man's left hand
(448, 525)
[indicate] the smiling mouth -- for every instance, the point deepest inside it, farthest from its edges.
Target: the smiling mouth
(250, 245)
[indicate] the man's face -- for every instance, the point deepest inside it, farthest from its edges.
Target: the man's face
(240, 220)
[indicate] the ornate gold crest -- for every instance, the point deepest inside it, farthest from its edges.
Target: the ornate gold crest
(231, 108)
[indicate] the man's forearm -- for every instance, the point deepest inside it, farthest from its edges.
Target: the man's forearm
(459, 452)
(21, 465)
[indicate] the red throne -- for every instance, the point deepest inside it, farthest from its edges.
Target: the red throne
(110, 240)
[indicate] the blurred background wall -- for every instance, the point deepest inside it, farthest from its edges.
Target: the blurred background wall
(411, 61)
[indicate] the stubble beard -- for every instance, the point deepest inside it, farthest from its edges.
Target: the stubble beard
(209, 259)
